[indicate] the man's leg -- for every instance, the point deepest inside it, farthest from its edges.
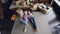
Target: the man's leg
(32, 20)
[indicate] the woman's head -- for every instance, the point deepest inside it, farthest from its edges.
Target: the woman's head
(25, 13)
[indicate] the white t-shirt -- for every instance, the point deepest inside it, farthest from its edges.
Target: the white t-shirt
(31, 15)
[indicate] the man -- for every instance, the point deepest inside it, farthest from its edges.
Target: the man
(7, 23)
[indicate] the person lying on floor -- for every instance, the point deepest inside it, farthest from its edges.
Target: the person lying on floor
(32, 20)
(23, 18)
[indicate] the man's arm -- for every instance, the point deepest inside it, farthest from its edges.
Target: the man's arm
(51, 2)
(1, 10)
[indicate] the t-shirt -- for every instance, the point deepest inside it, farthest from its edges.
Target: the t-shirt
(31, 15)
(25, 17)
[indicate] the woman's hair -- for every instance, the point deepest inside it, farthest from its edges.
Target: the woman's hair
(29, 10)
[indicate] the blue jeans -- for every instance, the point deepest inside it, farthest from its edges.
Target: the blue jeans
(24, 22)
(32, 21)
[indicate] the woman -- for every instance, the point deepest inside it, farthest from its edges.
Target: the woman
(24, 20)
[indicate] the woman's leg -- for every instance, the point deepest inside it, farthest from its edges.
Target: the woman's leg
(23, 21)
(24, 27)
(24, 24)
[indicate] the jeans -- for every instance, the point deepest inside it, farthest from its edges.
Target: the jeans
(24, 22)
(32, 20)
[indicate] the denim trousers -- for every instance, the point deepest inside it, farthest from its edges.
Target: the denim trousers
(32, 21)
(24, 22)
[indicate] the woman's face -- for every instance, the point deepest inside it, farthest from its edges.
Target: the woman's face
(25, 12)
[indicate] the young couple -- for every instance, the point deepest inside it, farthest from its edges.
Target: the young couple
(25, 17)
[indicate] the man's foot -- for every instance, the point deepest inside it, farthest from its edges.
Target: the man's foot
(35, 30)
(24, 30)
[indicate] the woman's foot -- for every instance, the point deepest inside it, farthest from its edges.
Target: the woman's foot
(24, 30)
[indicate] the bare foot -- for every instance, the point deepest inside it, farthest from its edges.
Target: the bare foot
(35, 30)
(24, 30)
